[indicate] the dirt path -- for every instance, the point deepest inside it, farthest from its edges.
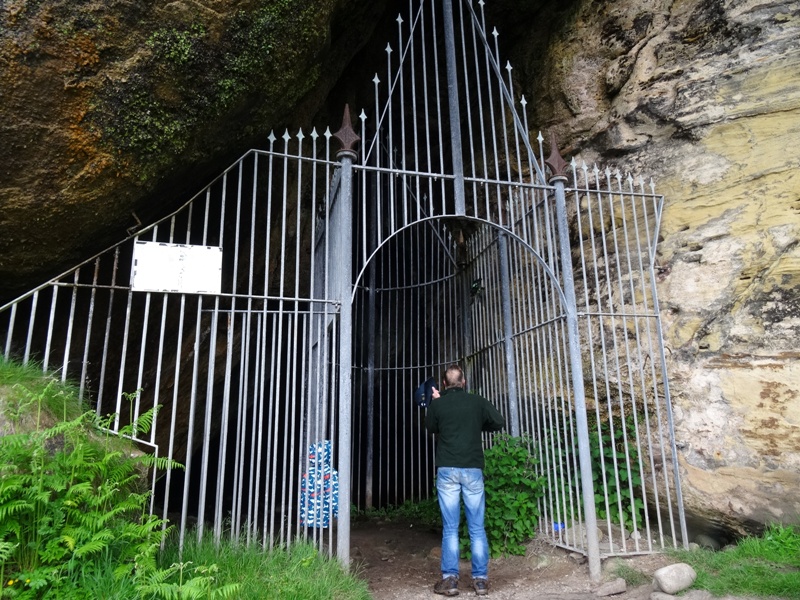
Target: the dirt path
(401, 562)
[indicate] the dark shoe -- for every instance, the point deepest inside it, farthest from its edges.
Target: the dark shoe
(481, 587)
(447, 586)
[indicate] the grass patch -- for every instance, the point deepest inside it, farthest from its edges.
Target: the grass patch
(768, 565)
(633, 577)
(279, 574)
(31, 399)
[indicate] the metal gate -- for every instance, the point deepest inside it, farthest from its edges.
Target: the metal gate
(437, 233)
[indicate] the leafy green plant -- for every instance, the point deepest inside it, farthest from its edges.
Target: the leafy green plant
(424, 512)
(74, 523)
(613, 461)
(611, 474)
(72, 499)
(183, 580)
(513, 491)
(66, 498)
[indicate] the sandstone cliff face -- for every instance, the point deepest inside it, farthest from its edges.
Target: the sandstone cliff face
(112, 111)
(704, 96)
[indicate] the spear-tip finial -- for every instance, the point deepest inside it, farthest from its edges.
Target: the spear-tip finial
(346, 136)
(558, 166)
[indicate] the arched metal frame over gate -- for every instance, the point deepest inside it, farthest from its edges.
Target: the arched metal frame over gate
(285, 386)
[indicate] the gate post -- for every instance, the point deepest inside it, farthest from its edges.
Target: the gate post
(342, 286)
(558, 167)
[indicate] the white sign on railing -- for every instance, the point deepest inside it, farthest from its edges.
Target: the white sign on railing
(161, 267)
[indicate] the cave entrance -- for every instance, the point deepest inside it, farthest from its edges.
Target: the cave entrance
(308, 290)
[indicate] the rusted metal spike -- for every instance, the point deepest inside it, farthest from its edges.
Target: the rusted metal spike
(346, 136)
(558, 166)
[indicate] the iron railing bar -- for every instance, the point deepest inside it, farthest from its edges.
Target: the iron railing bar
(642, 382)
(659, 418)
(190, 434)
(226, 394)
(524, 193)
(273, 416)
(87, 338)
(107, 333)
(401, 81)
(621, 243)
(496, 68)
(287, 496)
(142, 352)
(405, 407)
(426, 110)
(123, 357)
(241, 429)
(50, 325)
(467, 88)
(159, 363)
(501, 84)
(29, 339)
(389, 110)
(314, 341)
(10, 331)
(591, 344)
(68, 340)
(209, 392)
(597, 194)
(234, 295)
(222, 456)
(377, 158)
(173, 419)
(411, 285)
(258, 438)
(204, 461)
(612, 255)
(305, 389)
(518, 153)
(414, 116)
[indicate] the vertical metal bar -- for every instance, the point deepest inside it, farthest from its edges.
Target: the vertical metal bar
(222, 462)
(663, 360)
(576, 368)
(142, 350)
(207, 419)
(88, 337)
(371, 325)
(50, 325)
(70, 323)
(511, 367)
(107, 337)
(175, 386)
(9, 333)
(192, 409)
(455, 113)
(29, 340)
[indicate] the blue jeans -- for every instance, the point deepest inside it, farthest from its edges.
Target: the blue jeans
(453, 484)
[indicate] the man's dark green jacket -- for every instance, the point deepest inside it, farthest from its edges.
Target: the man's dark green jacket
(458, 418)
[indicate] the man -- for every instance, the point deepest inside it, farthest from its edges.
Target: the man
(458, 418)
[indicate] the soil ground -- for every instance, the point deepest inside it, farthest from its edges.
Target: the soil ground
(400, 561)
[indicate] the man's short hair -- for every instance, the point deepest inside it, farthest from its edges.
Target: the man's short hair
(453, 376)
